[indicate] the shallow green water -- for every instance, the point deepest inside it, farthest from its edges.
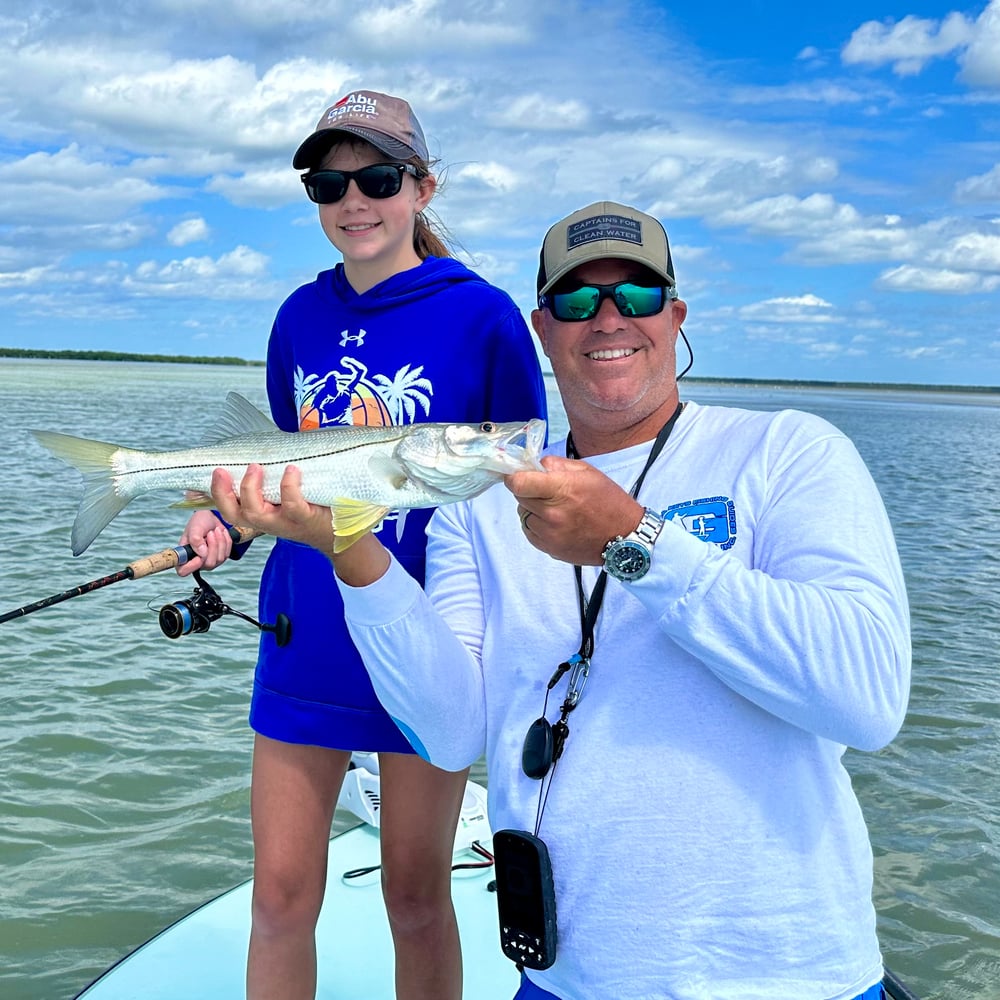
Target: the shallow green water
(124, 756)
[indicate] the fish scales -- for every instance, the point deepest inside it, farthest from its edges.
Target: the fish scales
(330, 471)
(361, 473)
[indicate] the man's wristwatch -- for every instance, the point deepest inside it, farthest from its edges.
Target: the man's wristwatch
(627, 558)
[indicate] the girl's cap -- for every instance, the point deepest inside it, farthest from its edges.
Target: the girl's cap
(388, 123)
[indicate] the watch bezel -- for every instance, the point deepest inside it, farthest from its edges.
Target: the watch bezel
(643, 538)
(617, 549)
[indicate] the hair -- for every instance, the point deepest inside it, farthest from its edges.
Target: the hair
(430, 236)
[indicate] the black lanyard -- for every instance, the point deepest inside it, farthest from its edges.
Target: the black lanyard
(590, 607)
(579, 663)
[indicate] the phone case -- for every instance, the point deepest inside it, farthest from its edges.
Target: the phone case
(526, 901)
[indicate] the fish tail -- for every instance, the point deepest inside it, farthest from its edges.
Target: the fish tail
(100, 504)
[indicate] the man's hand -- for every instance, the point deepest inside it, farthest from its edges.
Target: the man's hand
(572, 510)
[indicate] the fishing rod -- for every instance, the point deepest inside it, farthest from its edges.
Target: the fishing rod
(181, 617)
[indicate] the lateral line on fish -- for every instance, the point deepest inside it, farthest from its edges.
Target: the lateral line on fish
(221, 465)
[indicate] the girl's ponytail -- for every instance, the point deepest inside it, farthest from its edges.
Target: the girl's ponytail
(430, 238)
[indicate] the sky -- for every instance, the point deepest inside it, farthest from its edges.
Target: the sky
(828, 174)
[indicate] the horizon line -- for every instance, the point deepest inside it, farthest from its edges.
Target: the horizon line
(77, 355)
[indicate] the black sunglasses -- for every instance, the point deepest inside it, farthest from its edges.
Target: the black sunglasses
(584, 301)
(380, 180)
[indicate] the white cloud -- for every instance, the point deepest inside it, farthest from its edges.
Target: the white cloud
(122, 123)
(809, 309)
(259, 187)
(240, 273)
(983, 188)
(171, 108)
(397, 26)
(981, 60)
(188, 231)
(219, 104)
(26, 278)
(908, 44)
(907, 278)
(833, 349)
(788, 215)
(826, 92)
(68, 186)
(496, 177)
(720, 177)
(539, 112)
(969, 252)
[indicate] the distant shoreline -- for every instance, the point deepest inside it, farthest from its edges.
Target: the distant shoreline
(25, 353)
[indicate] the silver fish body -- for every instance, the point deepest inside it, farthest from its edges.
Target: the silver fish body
(361, 473)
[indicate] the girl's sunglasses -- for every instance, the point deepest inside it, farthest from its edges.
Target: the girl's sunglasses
(380, 180)
(585, 301)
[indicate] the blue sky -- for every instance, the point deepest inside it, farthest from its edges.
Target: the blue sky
(829, 177)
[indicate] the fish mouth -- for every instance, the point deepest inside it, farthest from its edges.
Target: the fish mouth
(522, 447)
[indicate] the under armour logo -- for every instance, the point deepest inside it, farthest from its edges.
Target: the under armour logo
(349, 338)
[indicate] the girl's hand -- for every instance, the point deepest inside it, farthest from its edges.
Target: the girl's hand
(209, 538)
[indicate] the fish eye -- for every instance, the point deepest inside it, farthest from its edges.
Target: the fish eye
(487, 427)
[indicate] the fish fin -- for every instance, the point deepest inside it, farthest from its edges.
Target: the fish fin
(100, 503)
(352, 519)
(389, 470)
(401, 522)
(239, 416)
(194, 500)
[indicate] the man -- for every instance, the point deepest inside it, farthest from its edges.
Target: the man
(750, 623)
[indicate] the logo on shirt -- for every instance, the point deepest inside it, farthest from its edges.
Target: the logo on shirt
(346, 337)
(712, 519)
(350, 395)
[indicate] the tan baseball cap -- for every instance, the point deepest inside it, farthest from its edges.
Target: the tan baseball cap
(388, 123)
(604, 229)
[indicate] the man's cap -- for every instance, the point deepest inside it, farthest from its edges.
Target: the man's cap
(388, 123)
(604, 229)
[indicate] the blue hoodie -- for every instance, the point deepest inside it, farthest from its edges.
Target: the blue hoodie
(434, 343)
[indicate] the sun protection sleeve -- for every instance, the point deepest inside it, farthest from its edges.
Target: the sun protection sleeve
(426, 671)
(805, 613)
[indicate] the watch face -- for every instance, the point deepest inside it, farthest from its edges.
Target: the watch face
(627, 560)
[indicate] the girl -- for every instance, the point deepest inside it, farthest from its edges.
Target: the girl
(398, 332)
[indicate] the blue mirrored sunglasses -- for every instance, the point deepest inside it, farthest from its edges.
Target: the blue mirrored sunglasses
(584, 301)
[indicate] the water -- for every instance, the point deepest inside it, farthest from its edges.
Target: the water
(124, 756)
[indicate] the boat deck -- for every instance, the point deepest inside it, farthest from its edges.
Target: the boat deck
(203, 955)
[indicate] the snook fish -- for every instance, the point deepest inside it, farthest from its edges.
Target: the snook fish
(360, 472)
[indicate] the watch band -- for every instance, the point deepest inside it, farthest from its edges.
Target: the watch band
(649, 527)
(628, 557)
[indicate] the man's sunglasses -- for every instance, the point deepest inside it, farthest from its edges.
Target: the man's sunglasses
(584, 302)
(380, 180)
